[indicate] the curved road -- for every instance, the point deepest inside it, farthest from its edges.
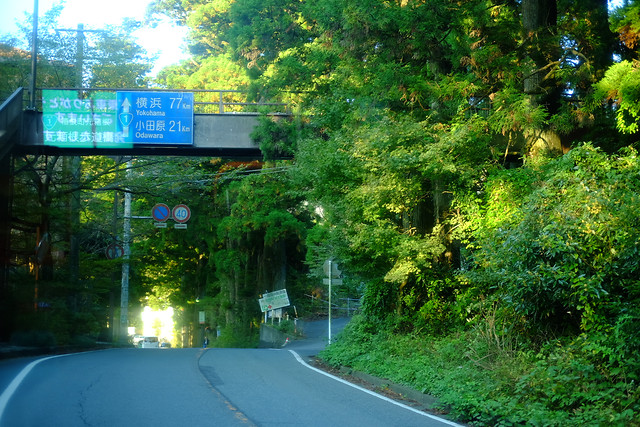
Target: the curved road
(173, 387)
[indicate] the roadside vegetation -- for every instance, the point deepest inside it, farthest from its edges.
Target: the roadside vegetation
(478, 382)
(472, 166)
(542, 327)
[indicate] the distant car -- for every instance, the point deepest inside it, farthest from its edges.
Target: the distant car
(137, 338)
(165, 344)
(150, 342)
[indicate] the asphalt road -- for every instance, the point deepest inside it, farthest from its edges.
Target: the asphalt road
(175, 387)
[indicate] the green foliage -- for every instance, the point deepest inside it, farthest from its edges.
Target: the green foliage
(482, 381)
(288, 327)
(620, 86)
(566, 256)
(110, 57)
(33, 339)
(233, 337)
(570, 380)
(275, 137)
(510, 293)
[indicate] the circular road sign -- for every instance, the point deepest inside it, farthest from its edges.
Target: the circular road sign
(181, 213)
(160, 212)
(114, 251)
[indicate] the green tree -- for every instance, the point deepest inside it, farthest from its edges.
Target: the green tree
(563, 254)
(259, 243)
(67, 270)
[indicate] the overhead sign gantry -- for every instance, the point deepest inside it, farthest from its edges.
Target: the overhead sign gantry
(116, 119)
(140, 122)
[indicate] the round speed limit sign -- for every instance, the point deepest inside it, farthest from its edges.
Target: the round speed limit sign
(181, 213)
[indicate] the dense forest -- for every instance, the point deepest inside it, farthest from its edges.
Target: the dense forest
(471, 164)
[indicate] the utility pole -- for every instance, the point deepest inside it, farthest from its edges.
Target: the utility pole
(80, 31)
(74, 250)
(74, 206)
(333, 278)
(34, 57)
(126, 245)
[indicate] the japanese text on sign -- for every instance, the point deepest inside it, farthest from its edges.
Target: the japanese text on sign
(274, 300)
(70, 121)
(155, 117)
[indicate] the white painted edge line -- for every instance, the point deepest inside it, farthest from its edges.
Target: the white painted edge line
(372, 393)
(13, 386)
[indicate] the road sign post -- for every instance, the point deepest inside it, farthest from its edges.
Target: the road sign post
(273, 300)
(181, 214)
(331, 270)
(160, 213)
(114, 251)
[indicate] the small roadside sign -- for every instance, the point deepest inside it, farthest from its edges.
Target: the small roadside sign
(330, 268)
(181, 213)
(274, 300)
(160, 212)
(114, 251)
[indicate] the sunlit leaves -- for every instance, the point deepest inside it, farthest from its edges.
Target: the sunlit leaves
(621, 85)
(564, 256)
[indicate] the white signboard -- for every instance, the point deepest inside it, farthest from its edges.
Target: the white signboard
(273, 300)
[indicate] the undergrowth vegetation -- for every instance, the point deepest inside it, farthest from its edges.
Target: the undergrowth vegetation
(542, 325)
(485, 381)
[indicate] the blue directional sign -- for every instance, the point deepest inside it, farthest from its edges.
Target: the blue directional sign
(158, 118)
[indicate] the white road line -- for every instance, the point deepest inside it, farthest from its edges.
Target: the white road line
(13, 386)
(372, 393)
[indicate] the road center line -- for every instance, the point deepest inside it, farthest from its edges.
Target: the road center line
(13, 386)
(372, 393)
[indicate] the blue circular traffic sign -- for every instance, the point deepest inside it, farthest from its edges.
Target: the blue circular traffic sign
(161, 212)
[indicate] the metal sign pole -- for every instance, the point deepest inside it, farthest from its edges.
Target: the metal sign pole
(330, 271)
(126, 237)
(34, 57)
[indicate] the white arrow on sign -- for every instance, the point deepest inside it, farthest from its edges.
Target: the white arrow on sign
(126, 117)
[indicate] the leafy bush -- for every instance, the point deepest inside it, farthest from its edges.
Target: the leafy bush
(488, 382)
(288, 327)
(33, 339)
(231, 337)
(566, 256)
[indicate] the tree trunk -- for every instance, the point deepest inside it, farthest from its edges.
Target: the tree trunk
(539, 19)
(598, 42)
